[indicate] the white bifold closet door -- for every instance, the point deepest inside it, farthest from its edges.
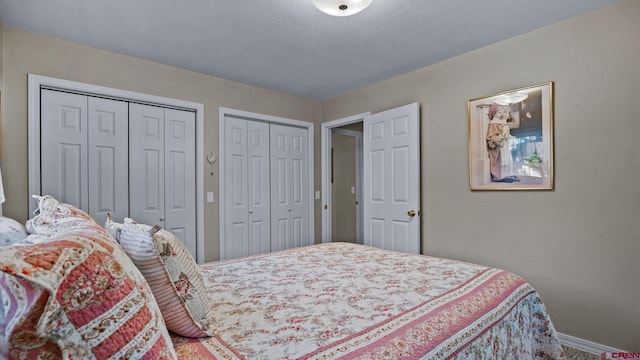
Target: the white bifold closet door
(289, 187)
(266, 171)
(246, 172)
(162, 170)
(84, 142)
(132, 160)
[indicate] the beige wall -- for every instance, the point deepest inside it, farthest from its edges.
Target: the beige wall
(579, 245)
(26, 52)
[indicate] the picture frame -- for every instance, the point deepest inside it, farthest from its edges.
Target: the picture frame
(511, 140)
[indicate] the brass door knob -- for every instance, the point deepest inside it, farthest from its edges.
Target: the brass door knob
(411, 213)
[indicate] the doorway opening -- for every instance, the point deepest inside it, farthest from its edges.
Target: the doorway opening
(342, 215)
(391, 181)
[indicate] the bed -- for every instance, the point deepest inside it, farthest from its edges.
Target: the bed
(64, 292)
(342, 300)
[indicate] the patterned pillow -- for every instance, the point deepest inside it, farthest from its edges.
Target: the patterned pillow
(173, 275)
(11, 231)
(22, 305)
(96, 303)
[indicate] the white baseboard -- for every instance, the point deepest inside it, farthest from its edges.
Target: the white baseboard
(586, 345)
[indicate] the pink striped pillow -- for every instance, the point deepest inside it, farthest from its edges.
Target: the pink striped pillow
(174, 277)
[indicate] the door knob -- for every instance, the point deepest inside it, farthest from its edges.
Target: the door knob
(411, 213)
(161, 219)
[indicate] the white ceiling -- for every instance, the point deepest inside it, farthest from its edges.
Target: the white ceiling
(288, 45)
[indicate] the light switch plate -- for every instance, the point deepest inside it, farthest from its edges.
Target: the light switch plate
(210, 197)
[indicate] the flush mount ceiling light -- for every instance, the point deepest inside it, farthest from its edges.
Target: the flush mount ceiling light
(511, 98)
(341, 7)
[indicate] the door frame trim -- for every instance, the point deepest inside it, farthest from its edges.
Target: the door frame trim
(325, 164)
(36, 82)
(221, 183)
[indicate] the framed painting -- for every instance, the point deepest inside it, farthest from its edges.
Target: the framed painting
(511, 140)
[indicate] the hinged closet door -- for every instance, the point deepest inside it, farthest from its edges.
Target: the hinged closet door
(236, 240)
(246, 171)
(259, 191)
(108, 153)
(63, 157)
(299, 187)
(180, 175)
(146, 164)
(289, 187)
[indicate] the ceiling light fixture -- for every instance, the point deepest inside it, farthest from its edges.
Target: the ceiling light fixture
(341, 7)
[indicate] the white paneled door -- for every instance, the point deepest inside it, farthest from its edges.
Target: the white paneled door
(236, 207)
(127, 159)
(108, 151)
(392, 179)
(146, 163)
(259, 192)
(265, 170)
(162, 170)
(289, 187)
(180, 175)
(64, 156)
(84, 143)
(246, 172)
(111, 151)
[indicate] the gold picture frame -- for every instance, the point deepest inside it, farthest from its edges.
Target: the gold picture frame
(511, 140)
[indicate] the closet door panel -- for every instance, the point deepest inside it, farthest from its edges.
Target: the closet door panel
(146, 164)
(115, 156)
(64, 147)
(265, 170)
(259, 192)
(281, 228)
(236, 241)
(108, 128)
(180, 176)
(299, 187)
(289, 187)
(280, 145)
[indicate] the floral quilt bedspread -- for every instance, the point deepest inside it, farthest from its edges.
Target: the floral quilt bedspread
(340, 300)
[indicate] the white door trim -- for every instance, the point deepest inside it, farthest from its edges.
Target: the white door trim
(270, 119)
(35, 82)
(325, 160)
